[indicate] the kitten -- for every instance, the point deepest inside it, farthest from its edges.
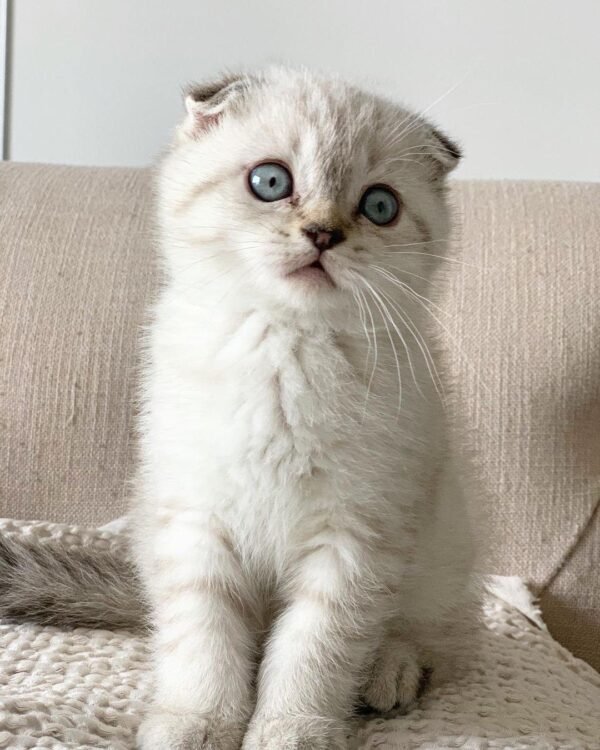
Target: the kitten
(299, 530)
(294, 498)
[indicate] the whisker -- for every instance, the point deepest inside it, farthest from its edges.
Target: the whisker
(416, 244)
(422, 300)
(408, 161)
(375, 348)
(432, 255)
(403, 285)
(421, 343)
(363, 320)
(414, 275)
(389, 335)
(402, 339)
(431, 151)
(414, 121)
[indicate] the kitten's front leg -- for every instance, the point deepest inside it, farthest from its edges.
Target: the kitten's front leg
(204, 647)
(314, 659)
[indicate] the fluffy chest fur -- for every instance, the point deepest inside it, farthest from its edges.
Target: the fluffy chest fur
(271, 430)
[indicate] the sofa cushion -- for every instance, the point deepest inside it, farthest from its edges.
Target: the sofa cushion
(89, 688)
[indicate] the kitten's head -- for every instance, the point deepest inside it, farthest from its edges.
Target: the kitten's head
(301, 193)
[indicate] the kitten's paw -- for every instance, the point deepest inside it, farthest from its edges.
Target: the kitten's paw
(163, 730)
(287, 733)
(396, 677)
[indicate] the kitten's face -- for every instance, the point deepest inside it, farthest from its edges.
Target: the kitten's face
(302, 193)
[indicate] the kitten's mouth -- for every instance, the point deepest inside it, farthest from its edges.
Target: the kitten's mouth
(313, 272)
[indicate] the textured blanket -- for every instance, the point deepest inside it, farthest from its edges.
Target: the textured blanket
(89, 688)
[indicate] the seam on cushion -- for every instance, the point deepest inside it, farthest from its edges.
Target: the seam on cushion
(571, 550)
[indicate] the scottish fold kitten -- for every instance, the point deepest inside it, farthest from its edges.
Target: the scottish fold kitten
(299, 529)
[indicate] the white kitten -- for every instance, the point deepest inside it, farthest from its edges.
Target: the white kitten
(296, 514)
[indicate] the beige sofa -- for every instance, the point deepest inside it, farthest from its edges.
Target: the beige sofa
(522, 337)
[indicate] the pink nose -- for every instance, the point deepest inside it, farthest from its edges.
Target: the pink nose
(323, 238)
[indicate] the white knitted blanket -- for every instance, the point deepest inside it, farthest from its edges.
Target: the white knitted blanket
(88, 688)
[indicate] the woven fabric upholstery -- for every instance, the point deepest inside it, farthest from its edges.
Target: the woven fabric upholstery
(89, 688)
(521, 317)
(523, 354)
(76, 272)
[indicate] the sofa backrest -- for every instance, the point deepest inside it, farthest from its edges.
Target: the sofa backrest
(77, 271)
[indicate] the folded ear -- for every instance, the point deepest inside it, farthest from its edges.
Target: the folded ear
(206, 103)
(444, 152)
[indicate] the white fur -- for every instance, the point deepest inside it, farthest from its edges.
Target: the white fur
(289, 506)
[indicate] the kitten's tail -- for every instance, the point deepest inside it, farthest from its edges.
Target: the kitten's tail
(51, 585)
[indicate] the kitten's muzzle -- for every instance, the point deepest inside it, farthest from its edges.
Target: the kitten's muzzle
(323, 238)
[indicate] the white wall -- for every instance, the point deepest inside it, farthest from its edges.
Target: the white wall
(97, 81)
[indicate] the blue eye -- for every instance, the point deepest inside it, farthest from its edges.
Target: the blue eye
(270, 182)
(379, 204)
